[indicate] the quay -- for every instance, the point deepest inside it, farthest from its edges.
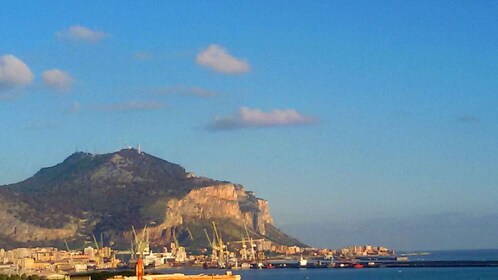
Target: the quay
(377, 264)
(181, 276)
(441, 264)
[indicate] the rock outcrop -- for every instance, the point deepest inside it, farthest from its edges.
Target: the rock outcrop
(13, 228)
(215, 202)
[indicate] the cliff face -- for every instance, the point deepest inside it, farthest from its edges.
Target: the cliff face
(221, 201)
(263, 218)
(107, 194)
(12, 227)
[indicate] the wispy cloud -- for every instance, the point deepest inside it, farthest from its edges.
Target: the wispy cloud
(129, 106)
(74, 108)
(43, 125)
(220, 60)
(467, 118)
(10, 95)
(143, 55)
(57, 79)
(253, 118)
(13, 73)
(78, 33)
(183, 90)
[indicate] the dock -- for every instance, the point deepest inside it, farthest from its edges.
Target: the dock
(181, 276)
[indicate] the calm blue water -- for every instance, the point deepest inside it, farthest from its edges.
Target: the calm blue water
(376, 273)
(357, 274)
(380, 273)
(458, 255)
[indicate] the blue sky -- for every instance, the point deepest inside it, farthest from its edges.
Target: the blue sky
(336, 112)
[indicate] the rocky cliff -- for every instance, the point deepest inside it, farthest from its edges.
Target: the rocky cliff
(216, 202)
(105, 195)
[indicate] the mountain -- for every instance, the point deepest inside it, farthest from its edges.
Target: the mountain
(105, 195)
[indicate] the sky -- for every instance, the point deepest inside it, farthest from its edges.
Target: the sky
(360, 121)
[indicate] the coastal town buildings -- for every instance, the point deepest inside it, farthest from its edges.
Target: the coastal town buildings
(50, 260)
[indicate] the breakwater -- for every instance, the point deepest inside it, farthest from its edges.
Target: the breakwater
(382, 264)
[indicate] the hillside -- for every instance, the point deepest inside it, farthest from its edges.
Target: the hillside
(106, 194)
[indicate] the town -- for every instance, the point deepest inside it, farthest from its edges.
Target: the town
(54, 263)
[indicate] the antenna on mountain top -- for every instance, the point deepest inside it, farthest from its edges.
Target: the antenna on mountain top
(139, 149)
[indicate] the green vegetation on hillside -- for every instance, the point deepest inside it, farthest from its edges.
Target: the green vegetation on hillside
(106, 194)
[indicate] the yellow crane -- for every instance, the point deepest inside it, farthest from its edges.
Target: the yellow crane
(244, 249)
(95, 241)
(209, 239)
(69, 252)
(212, 244)
(220, 246)
(179, 251)
(251, 243)
(190, 234)
(141, 244)
(177, 244)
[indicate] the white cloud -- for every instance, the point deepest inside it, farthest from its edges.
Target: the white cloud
(57, 79)
(130, 106)
(183, 90)
(217, 58)
(13, 72)
(83, 34)
(247, 118)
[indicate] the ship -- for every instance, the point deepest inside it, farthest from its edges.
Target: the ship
(303, 262)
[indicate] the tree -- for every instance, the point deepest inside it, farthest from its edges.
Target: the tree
(32, 277)
(14, 277)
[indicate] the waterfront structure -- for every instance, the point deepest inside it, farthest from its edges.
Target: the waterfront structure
(49, 260)
(181, 276)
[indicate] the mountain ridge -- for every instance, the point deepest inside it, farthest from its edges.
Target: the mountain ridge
(105, 194)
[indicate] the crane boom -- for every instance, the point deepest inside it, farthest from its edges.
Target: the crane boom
(209, 239)
(67, 246)
(220, 245)
(251, 243)
(69, 251)
(217, 236)
(175, 239)
(140, 243)
(95, 241)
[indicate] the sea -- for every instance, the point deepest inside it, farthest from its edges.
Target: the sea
(377, 273)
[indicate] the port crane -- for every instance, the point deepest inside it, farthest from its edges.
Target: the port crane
(190, 234)
(140, 244)
(220, 245)
(70, 254)
(138, 248)
(213, 245)
(248, 241)
(99, 256)
(179, 251)
(209, 239)
(253, 256)
(95, 241)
